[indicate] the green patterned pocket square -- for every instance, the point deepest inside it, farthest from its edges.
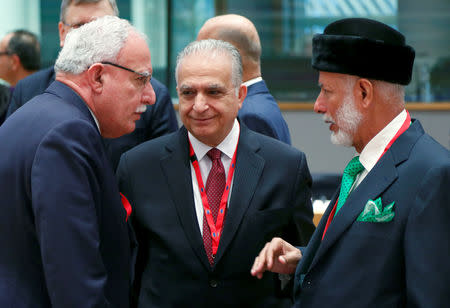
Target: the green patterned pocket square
(374, 212)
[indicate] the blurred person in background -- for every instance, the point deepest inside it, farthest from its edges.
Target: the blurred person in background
(260, 111)
(19, 57)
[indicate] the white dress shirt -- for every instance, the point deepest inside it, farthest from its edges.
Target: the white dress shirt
(227, 147)
(374, 149)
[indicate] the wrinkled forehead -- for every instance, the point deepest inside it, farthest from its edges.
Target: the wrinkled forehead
(135, 54)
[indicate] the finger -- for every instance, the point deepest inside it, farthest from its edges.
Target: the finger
(256, 266)
(259, 263)
(274, 248)
(269, 255)
(292, 257)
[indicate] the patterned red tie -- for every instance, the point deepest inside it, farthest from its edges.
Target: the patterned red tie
(215, 185)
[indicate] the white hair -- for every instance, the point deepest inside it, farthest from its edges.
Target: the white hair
(97, 41)
(214, 48)
(391, 93)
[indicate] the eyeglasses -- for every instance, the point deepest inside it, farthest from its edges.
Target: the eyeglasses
(145, 77)
(74, 25)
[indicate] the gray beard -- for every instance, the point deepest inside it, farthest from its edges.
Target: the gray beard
(349, 119)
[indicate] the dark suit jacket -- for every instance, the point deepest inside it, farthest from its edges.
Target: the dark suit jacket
(401, 263)
(63, 230)
(270, 197)
(159, 119)
(260, 112)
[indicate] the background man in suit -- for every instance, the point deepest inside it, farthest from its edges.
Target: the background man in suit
(20, 56)
(157, 120)
(65, 236)
(384, 240)
(260, 111)
(257, 186)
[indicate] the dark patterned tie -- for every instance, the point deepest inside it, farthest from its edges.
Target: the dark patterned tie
(215, 185)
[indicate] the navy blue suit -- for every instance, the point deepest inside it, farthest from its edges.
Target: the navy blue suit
(260, 112)
(400, 263)
(270, 197)
(63, 231)
(159, 119)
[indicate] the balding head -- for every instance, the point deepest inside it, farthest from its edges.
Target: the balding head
(240, 32)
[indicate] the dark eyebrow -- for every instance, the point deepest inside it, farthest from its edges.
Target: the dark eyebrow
(185, 87)
(215, 87)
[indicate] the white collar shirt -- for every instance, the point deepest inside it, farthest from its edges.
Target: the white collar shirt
(374, 149)
(250, 82)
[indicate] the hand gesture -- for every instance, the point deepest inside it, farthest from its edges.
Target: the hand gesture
(277, 256)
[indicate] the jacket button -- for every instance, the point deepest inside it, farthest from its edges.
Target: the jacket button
(213, 283)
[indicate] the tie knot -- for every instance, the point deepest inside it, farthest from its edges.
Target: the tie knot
(354, 167)
(214, 154)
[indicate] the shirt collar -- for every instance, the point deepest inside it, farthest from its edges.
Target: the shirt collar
(227, 146)
(248, 83)
(95, 119)
(374, 149)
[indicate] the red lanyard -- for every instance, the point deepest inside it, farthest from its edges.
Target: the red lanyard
(216, 229)
(126, 204)
(402, 129)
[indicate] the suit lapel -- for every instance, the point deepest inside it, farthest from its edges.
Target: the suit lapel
(176, 168)
(249, 166)
(376, 182)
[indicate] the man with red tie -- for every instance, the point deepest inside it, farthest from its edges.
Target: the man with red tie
(64, 232)
(383, 241)
(206, 198)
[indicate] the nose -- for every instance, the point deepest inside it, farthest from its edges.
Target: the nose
(200, 104)
(148, 95)
(319, 105)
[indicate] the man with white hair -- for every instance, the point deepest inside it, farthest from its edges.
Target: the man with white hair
(159, 119)
(384, 239)
(219, 191)
(65, 238)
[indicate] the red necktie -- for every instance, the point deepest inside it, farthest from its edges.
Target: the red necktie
(215, 185)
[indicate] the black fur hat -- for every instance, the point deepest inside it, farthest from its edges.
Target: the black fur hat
(365, 48)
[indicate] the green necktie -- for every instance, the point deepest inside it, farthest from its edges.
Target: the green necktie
(348, 178)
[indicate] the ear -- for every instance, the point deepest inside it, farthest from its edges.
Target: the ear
(95, 77)
(15, 61)
(364, 92)
(62, 33)
(242, 94)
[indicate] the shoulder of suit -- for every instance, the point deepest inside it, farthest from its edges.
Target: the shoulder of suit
(272, 143)
(153, 146)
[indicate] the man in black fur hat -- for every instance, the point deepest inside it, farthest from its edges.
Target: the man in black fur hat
(384, 241)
